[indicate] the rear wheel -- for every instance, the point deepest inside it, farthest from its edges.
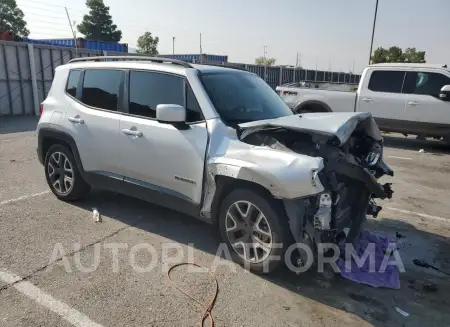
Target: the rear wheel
(62, 174)
(255, 228)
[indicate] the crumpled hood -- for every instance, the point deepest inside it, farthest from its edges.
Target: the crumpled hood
(340, 125)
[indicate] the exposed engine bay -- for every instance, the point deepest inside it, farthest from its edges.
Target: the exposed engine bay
(352, 165)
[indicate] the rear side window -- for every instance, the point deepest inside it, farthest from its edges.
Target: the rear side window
(72, 82)
(101, 88)
(386, 81)
(425, 83)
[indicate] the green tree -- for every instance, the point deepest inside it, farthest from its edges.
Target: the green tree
(396, 54)
(98, 24)
(265, 61)
(11, 19)
(147, 44)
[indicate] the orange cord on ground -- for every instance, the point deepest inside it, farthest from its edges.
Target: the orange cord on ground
(208, 308)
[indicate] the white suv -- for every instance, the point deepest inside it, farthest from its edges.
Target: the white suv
(215, 143)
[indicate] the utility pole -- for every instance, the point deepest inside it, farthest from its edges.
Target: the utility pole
(201, 54)
(373, 31)
(73, 32)
(173, 45)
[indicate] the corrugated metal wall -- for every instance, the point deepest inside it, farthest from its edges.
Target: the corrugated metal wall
(16, 91)
(16, 83)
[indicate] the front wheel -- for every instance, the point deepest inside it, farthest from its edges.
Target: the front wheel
(255, 228)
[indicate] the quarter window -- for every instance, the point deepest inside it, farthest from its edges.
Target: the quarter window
(72, 82)
(386, 81)
(425, 83)
(101, 88)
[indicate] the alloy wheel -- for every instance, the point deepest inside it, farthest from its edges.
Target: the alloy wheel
(60, 173)
(248, 231)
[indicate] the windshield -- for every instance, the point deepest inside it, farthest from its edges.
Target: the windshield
(242, 97)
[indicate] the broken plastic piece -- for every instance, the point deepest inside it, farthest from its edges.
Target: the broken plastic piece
(403, 313)
(322, 218)
(96, 215)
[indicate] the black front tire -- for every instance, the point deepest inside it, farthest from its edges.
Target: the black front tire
(79, 188)
(276, 218)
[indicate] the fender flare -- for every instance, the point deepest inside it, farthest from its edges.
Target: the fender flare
(304, 104)
(50, 133)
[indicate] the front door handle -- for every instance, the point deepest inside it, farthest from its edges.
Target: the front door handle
(413, 103)
(369, 100)
(132, 132)
(76, 120)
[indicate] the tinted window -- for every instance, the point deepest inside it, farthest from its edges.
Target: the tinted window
(193, 111)
(243, 97)
(386, 81)
(101, 88)
(425, 83)
(72, 82)
(147, 90)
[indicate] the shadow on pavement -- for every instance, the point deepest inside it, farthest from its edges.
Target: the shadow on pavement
(374, 305)
(9, 125)
(408, 143)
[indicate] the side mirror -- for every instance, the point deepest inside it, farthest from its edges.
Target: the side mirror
(444, 95)
(170, 114)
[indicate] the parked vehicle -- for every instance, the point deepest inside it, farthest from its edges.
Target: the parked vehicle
(404, 98)
(213, 142)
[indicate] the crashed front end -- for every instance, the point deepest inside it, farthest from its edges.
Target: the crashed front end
(351, 147)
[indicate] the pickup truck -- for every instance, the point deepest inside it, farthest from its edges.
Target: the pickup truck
(403, 98)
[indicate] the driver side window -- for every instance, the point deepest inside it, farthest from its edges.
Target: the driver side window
(425, 83)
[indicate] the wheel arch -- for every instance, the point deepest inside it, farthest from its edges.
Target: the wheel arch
(48, 137)
(315, 105)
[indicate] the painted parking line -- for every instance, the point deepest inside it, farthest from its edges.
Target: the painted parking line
(401, 158)
(423, 215)
(24, 197)
(34, 293)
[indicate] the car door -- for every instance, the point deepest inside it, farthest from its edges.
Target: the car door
(163, 159)
(93, 120)
(423, 102)
(381, 95)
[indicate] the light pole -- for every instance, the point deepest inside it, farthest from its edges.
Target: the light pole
(173, 45)
(373, 31)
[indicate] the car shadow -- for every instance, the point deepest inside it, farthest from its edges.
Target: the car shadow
(432, 146)
(12, 124)
(374, 305)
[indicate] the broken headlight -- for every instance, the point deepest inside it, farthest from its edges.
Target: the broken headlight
(374, 155)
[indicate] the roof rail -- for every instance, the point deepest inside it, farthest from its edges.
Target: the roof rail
(220, 65)
(131, 58)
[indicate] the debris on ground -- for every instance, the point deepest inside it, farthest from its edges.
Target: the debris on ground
(421, 151)
(430, 288)
(424, 264)
(287, 308)
(389, 278)
(398, 235)
(96, 215)
(403, 313)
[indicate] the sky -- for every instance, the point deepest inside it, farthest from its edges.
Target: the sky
(332, 34)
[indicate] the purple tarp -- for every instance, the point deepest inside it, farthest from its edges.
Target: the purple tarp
(389, 278)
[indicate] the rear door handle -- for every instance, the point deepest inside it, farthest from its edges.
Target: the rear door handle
(369, 100)
(76, 120)
(413, 103)
(132, 132)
